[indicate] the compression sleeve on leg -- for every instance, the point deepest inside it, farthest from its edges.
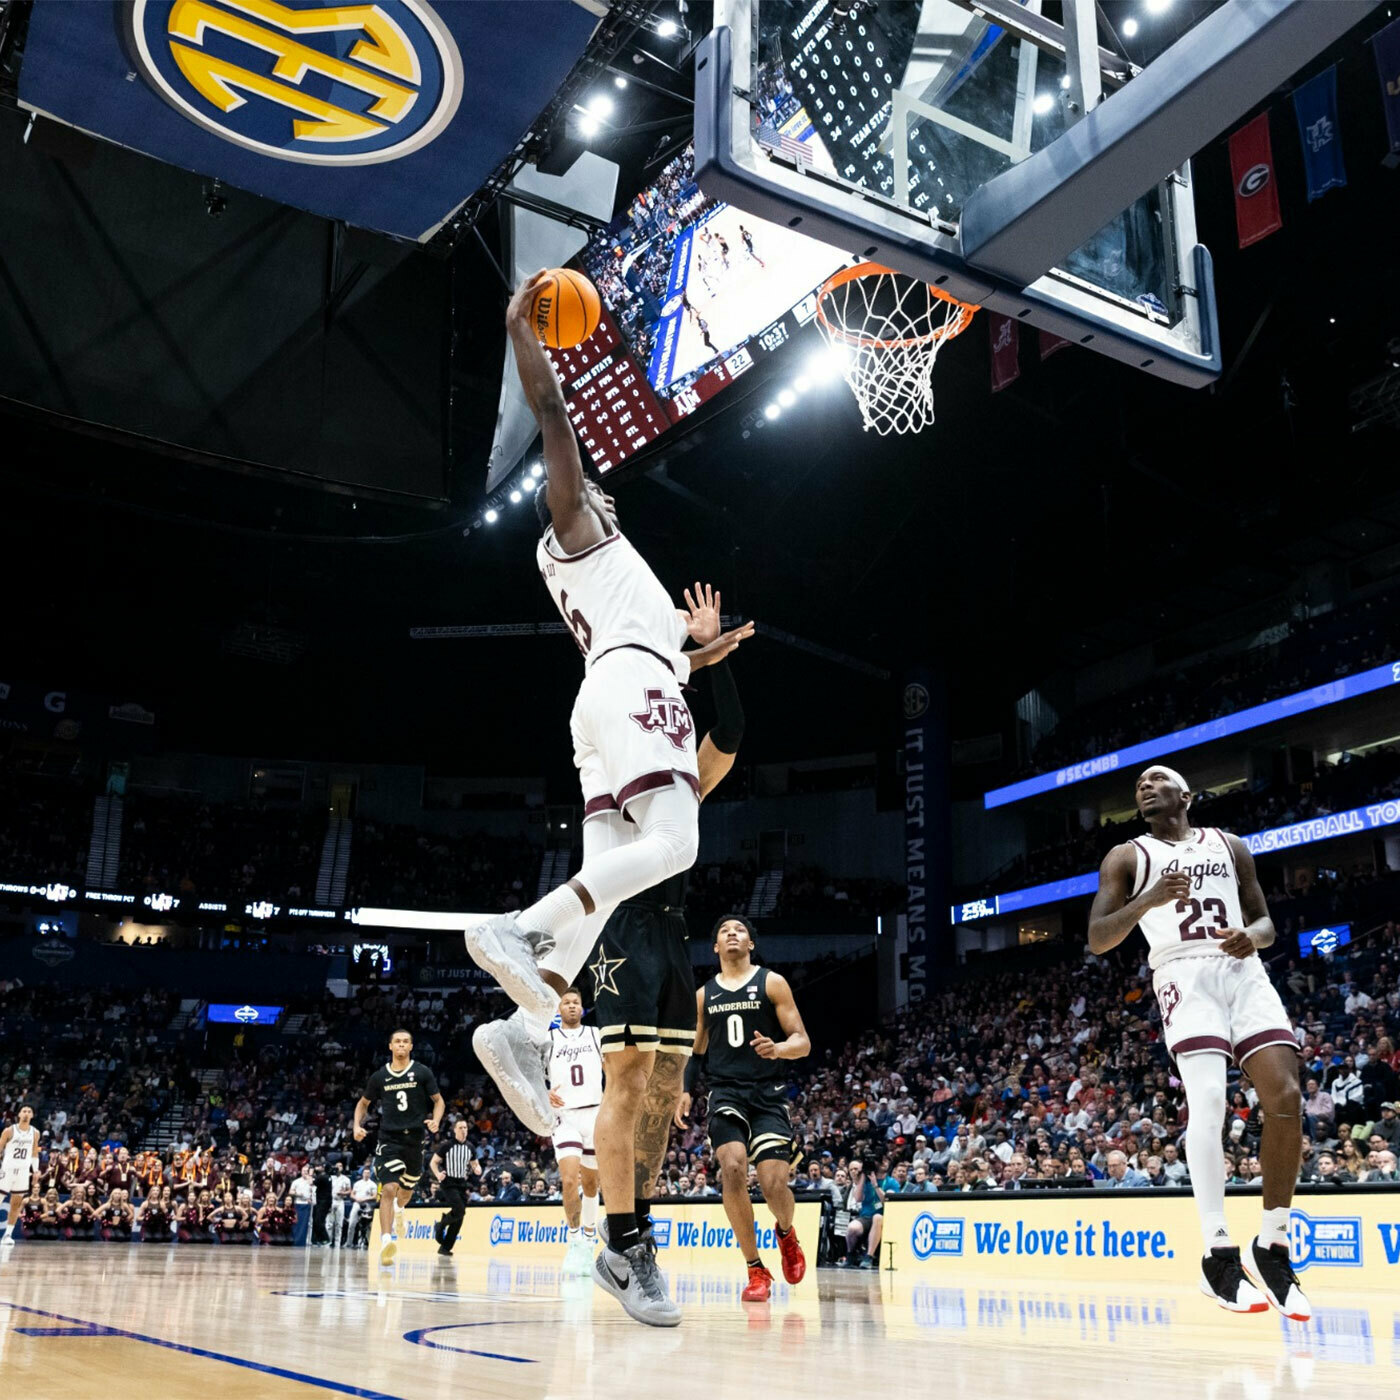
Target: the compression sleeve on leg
(1204, 1078)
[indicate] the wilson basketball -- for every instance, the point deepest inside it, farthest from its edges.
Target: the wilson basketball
(567, 308)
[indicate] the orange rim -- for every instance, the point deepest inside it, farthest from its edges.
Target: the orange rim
(956, 326)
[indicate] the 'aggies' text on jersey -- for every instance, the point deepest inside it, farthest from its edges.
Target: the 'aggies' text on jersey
(576, 1066)
(1192, 927)
(609, 597)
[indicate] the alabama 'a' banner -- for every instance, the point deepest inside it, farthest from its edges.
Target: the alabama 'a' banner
(1256, 190)
(1006, 344)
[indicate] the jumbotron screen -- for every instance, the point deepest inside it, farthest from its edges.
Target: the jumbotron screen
(694, 292)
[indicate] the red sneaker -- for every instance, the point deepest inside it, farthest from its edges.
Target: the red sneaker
(794, 1261)
(760, 1285)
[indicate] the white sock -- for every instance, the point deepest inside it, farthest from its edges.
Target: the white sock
(1203, 1074)
(590, 1214)
(1274, 1230)
(536, 1023)
(553, 914)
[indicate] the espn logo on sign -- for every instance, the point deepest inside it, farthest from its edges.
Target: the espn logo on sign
(932, 1235)
(502, 1229)
(1333, 1241)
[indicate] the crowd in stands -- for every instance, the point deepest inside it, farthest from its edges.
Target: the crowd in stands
(1355, 780)
(181, 844)
(1316, 650)
(392, 865)
(45, 828)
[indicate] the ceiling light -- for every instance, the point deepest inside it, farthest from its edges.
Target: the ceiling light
(537, 470)
(490, 517)
(619, 82)
(515, 498)
(588, 125)
(771, 412)
(787, 398)
(600, 104)
(1157, 7)
(666, 28)
(1128, 28)
(1064, 82)
(529, 483)
(1042, 104)
(801, 383)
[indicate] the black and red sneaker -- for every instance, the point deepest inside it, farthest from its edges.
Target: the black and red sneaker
(1224, 1279)
(1273, 1271)
(794, 1261)
(760, 1285)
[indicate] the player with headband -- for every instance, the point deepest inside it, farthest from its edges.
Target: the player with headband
(1194, 893)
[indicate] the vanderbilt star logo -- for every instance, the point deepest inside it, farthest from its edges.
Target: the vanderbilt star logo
(603, 971)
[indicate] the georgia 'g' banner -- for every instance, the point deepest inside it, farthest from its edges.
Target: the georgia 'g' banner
(1257, 214)
(386, 115)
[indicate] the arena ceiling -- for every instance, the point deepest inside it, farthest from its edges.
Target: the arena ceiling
(1083, 511)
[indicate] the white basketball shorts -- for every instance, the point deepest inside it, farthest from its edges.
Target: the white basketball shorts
(574, 1135)
(1220, 1005)
(632, 731)
(14, 1180)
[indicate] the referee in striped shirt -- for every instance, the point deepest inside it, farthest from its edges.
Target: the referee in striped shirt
(453, 1168)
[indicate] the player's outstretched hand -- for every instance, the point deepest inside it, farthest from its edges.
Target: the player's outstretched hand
(718, 649)
(556, 1099)
(682, 1113)
(523, 302)
(360, 1134)
(1170, 888)
(1237, 943)
(703, 614)
(763, 1047)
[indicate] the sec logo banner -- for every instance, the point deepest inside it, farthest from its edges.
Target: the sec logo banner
(320, 83)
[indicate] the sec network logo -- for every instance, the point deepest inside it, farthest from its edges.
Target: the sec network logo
(932, 1235)
(1331, 1240)
(502, 1229)
(313, 81)
(661, 1233)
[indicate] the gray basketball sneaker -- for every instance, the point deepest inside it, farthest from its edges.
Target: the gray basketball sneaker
(635, 1281)
(510, 955)
(518, 1067)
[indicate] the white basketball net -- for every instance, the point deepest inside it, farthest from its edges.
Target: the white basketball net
(889, 328)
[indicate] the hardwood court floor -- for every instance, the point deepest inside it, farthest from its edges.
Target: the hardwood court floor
(202, 1321)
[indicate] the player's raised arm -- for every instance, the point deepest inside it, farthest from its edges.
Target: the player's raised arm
(1115, 913)
(361, 1108)
(576, 524)
(797, 1046)
(1259, 931)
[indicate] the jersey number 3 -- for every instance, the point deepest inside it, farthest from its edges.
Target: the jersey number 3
(403, 1100)
(1194, 909)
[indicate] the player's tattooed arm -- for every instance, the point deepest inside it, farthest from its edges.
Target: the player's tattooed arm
(1115, 913)
(654, 1122)
(577, 525)
(1258, 931)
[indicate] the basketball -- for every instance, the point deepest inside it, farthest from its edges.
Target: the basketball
(567, 309)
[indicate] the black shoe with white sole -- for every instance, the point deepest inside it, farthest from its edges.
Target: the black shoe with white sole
(1273, 1270)
(1224, 1279)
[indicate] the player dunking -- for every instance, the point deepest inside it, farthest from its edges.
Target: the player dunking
(1195, 894)
(746, 1024)
(406, 1094)
(19, 1162)
(575, 1091)
(634, 742)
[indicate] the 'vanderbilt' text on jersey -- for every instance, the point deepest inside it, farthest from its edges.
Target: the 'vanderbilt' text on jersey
(1191, 927)
(610, 598)
(404, 1097)
(732, 1017)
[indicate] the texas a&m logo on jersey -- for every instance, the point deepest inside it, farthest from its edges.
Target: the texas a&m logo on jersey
(669, 714)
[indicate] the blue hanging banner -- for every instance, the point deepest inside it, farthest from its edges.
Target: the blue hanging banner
(1315, 104)
(1387, 50)
(387, 115)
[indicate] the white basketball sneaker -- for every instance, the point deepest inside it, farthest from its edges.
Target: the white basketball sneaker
(518, 1066)
(510, 955)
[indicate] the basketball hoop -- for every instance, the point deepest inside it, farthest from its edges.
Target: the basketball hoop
(890, 328)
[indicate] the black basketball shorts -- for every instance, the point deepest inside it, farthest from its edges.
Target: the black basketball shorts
(643, 986)
(758, 1117)
(399, 1159)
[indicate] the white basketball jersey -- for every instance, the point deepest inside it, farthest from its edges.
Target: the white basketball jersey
(1190, 928)
(609, 597)
(21, 1152)
(576, 1066)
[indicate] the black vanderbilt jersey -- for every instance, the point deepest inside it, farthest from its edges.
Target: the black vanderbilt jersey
(404, 1097)
(731, 1019)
